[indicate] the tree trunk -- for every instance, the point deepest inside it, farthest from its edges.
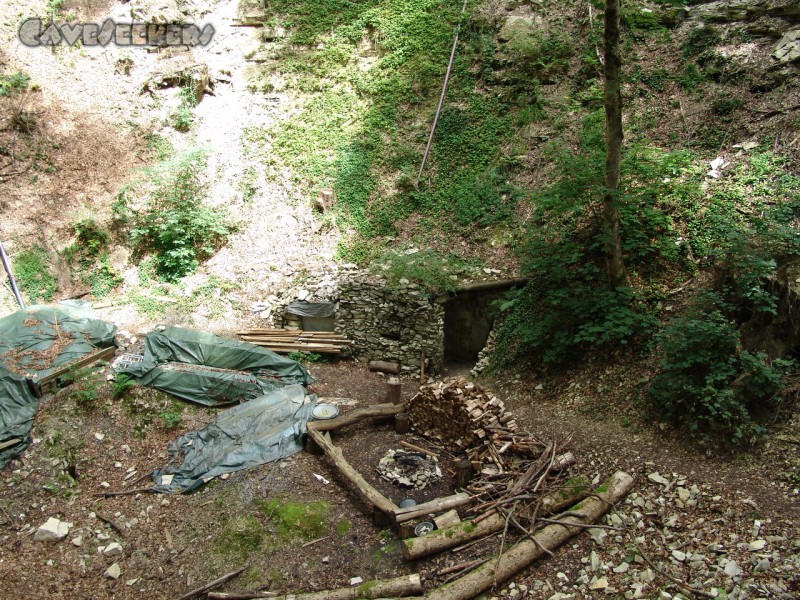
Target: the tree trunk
(615, 267)
(403, 586)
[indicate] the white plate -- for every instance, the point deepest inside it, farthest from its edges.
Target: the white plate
(325, 411)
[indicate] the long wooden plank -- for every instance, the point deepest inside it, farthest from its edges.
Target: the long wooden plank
(81, 362)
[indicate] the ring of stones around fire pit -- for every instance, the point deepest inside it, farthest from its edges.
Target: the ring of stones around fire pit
(409, 469)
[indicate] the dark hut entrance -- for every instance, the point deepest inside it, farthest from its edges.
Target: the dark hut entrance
(469, 316)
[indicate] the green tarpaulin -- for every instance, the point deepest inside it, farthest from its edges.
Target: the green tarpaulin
(27, 337)
(33, 343)
(17, 409)
(251, 434)
(211, 370)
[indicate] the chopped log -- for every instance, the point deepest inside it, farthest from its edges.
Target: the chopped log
(447, 519)
(411, 446)
(399, 587)
(394, 391)
(401, 424)
(525, 552)
(383, 366)
(449, 537)
(354, 416)
(563, 461)
(401, 515)
(373, 496)
(464, 473)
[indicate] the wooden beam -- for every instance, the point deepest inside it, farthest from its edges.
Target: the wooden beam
(373, 496)
(399, 587)
(437, 505)
(354, 416)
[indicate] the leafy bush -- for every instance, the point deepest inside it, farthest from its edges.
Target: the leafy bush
(306, 357)
(174, 225)
(567, 307)
(32, 271)
(16, 82)
(707, 381)
(89, 254)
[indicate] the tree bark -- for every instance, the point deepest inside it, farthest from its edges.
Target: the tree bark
(401, 515)
(404, 586)
(450, 537)
(615, 266)
(384, 367)
(524, 553)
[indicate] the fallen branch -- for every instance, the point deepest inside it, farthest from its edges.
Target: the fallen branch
(401, 515)
(681, 584)
(211, 585)
(373, 496)
(312, 542)
(399, 587)
(520, 556)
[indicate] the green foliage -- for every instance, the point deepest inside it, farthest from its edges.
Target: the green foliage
(32, 271)
(183, 117)
(359, 126)
(707, 381)
(87, 382)
(174, 225)
(240, 536)
(638, 20)
(16, 82)
(170, 419)
(88, 253)
(121, 385)
(567, 307)
(306, 357)
(297, 520)
(700, 39)
(434, 271)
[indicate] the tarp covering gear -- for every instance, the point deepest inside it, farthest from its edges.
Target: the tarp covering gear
(210, 370)
(33, 343)
(41, 339)
(260, 431)
(312, 309)
(17, 409)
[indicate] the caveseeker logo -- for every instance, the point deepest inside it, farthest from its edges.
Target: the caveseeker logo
(34, 32)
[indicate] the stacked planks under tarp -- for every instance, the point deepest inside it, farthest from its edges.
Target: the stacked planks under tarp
(295, 340)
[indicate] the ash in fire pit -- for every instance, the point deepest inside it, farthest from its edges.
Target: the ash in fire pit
(409, 469)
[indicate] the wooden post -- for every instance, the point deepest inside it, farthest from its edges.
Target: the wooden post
(422, 369)
(394, 391)
(464, 473)
(401, 423)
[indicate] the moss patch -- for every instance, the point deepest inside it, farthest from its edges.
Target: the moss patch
(298, 520)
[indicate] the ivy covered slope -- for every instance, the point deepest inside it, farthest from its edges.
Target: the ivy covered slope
(516, 169)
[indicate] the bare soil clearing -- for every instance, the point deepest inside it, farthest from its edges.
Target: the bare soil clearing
(173, 544)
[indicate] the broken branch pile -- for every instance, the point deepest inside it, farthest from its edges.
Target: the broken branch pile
(293, 340)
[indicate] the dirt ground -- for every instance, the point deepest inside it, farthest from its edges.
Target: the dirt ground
(172, 544)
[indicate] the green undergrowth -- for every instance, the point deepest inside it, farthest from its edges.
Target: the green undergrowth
(89, 259)
(165, 215)
(303, 521)
(369, 76)
(34, 277)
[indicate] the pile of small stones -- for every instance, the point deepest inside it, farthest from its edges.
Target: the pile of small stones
(671, 536)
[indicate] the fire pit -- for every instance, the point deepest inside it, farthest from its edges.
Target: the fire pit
(409, 469)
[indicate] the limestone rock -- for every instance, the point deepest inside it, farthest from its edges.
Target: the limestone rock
(52, 530)
(788, 48)
(113, 572)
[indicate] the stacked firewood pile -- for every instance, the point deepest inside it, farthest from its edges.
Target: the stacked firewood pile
(459, 412)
